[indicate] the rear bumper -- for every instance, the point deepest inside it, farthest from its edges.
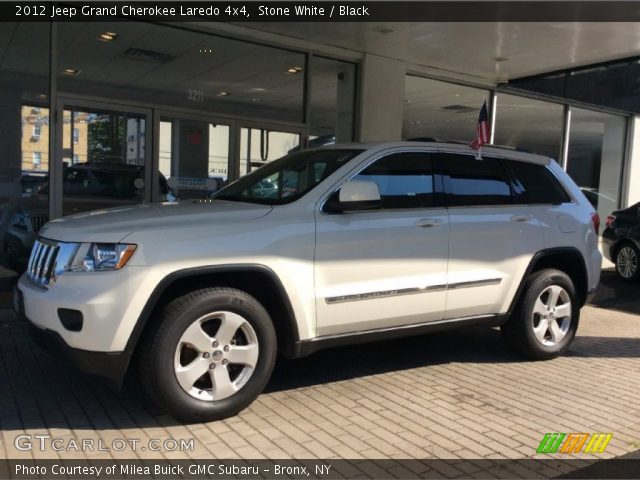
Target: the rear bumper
(111, 366)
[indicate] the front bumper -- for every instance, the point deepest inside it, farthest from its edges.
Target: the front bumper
(110, 304)
(111, 366)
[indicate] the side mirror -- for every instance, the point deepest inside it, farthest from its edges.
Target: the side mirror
(355, 195)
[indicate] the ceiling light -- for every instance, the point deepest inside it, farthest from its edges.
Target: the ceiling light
(42, 96)
(382, 29)
(293, 70)
(258, 89)
(72, 72)
(107, 36)
(223, 94)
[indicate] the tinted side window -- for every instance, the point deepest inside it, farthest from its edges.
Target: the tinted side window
(405, 180)
(537, 184)
(475, 182)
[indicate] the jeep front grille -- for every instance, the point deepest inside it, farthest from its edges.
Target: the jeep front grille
(37, 222)
(42, 262)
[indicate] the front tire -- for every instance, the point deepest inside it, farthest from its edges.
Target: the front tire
(546, 317)
(628, 262)
(209, 356)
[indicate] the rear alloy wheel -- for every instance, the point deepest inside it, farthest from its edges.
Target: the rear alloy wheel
(628, 262)
(545, 319)
(209, 356)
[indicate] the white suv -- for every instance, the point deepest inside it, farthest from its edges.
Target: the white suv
(352, 243)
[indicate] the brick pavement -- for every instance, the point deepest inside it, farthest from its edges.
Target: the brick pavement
(456, 394)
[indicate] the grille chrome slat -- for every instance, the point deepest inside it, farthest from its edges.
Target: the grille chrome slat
(37, 251)
(38, 221)
(41, 269)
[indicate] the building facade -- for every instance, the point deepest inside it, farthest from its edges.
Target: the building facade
(103, 114)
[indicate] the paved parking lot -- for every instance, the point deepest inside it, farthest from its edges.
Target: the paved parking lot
(456, 394)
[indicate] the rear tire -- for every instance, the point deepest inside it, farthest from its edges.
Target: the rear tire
(209, 356)
(628, 262)
(546, 317)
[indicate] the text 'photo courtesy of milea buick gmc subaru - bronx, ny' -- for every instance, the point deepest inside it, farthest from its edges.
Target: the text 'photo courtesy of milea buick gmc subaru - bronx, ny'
(324, 247)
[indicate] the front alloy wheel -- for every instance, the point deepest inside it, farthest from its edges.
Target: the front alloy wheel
(208, 355)
(216, 356)
(628, 262)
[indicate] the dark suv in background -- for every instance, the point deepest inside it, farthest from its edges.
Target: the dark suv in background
(621, 239)
(86, 186)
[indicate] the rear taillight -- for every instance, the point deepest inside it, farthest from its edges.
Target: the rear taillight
(610, 219)
(595, 218)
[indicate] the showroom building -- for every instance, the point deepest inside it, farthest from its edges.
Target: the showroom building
(102, 114)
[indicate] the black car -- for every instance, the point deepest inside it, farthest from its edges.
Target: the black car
(621, 239)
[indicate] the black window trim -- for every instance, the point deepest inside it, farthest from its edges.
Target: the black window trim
(447, 193)
(438, 181)
(525, 199)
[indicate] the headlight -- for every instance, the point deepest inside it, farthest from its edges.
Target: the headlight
(101, 257)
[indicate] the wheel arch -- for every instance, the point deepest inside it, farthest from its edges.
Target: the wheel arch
(257, 280)
(566, 259)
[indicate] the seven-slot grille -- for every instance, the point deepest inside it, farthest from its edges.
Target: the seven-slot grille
(42, 263)
(38, 221)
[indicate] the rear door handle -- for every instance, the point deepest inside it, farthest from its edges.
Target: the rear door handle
(521, 218)
(427, 222)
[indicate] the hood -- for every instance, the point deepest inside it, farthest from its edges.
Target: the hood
(114, 224)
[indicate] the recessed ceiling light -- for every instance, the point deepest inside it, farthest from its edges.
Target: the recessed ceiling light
(107, 36)
(382, 29)
(258, 89)
(293, 70)
(223, 94)
(72, 72)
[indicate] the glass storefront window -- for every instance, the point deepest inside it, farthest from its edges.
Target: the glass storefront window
(435, 109)
(595, 155)
(529, 124)
(24, 138)
(160, 65)
(332, 101)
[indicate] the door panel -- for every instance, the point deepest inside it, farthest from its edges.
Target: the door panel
(103, 156)
(388, 267)
(193, 154)
(379, 269)
(491, 236)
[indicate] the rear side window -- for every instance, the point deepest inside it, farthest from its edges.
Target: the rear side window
(537, 184)
(405, 180)
(472, 182)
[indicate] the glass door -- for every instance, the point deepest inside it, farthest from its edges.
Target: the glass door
(104, 157)
(261, 144)
(193, 154)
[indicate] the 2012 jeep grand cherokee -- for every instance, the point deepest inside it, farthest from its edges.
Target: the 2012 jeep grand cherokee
(324, 247)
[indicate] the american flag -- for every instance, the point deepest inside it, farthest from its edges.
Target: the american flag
(482, 129)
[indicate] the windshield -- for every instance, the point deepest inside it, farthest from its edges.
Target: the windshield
(288, 178)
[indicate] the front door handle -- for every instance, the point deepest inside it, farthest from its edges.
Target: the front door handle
(427, 222)
(521, 218)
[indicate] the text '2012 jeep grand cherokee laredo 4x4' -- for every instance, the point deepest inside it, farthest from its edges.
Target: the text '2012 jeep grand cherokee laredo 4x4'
(321, 248)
